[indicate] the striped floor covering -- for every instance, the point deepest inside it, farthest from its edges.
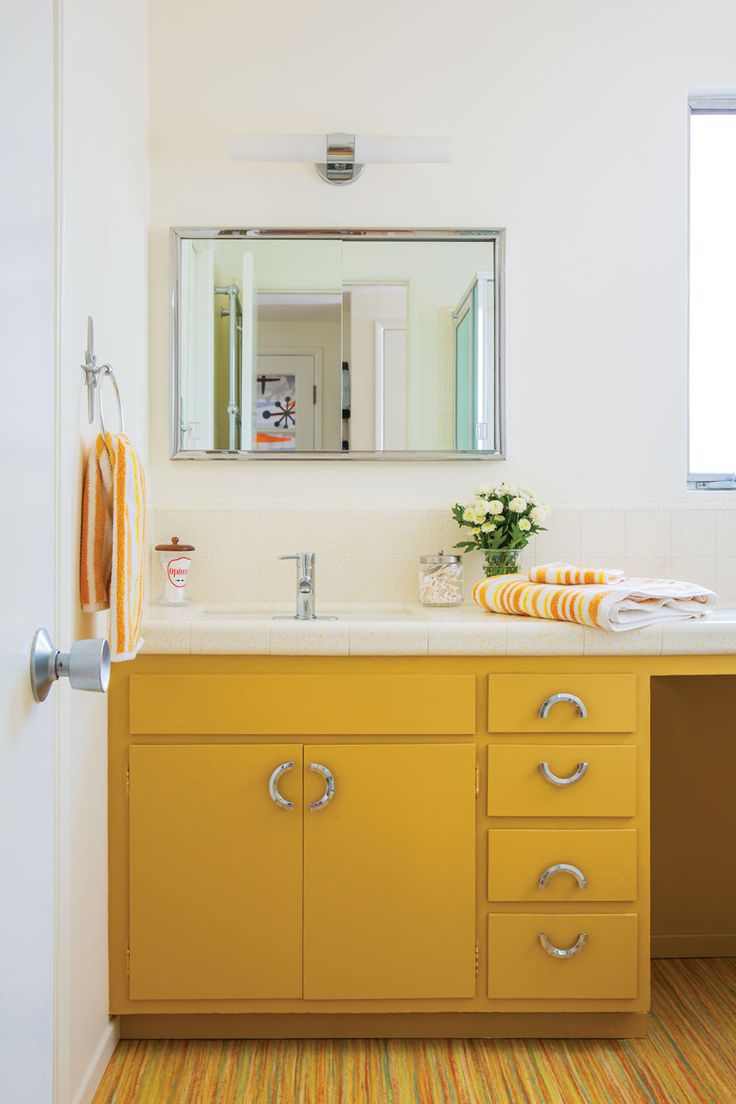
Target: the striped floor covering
(689, 1058)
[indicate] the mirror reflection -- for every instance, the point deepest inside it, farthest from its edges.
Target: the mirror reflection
(288, 347)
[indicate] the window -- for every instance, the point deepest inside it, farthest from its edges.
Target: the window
(712, 353)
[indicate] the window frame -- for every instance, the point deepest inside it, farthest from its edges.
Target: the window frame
(703, 105)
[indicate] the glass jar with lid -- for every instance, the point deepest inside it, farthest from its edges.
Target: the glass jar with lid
(441, 580)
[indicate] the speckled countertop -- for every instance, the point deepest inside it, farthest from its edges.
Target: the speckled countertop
(414, 630)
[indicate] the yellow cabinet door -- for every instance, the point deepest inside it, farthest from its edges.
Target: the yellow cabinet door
(215, 872)
(389, 871)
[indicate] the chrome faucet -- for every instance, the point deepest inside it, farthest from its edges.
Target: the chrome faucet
(305, 591)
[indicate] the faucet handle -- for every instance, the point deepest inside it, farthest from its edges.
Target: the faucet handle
(291, 556)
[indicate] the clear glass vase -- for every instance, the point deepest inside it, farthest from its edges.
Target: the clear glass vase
(501, 561)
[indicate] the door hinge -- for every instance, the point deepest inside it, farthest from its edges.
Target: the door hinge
(477, 778)
(127, 781)
(314, 394)
(127, 961)
(477, 959)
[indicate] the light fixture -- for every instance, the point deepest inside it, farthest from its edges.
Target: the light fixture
(339, 158)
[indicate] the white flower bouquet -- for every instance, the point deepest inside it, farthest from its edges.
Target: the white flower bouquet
(501, 520)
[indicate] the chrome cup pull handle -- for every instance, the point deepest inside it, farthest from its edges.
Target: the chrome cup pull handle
(546, 707)
(329, 793)
(563, 952)
(555, 780)
(563, 868)
(273, 785)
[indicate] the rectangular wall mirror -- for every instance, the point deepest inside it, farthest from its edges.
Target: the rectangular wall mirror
(352, 344)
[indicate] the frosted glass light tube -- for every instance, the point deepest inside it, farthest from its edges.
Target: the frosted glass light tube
(278, 147)
(313, 147)
(374, 148)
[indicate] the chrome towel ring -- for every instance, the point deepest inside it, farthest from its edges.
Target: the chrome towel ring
(106, 372)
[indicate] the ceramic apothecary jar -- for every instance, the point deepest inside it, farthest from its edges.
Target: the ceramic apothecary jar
(175, 560)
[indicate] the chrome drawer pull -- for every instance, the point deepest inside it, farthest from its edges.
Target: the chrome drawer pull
(273, 786)
(563, 952)
(329, 793)
(546, 707)
(563, 868)
(555, 780)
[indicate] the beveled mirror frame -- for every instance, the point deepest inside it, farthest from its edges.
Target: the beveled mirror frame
(495, 237)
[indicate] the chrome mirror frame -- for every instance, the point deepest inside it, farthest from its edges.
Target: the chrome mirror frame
(495, 237)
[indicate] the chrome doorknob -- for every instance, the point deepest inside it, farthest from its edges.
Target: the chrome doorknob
(86, 665)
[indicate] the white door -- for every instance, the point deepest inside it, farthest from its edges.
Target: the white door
(287, 387)
(390, 391)
(27, 554)
(197, 414)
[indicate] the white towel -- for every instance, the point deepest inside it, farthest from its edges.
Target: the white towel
(628, 604)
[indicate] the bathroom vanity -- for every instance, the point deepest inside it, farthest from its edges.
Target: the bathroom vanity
(453, 842)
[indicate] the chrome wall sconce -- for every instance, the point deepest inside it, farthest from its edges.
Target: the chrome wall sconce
(340, 158)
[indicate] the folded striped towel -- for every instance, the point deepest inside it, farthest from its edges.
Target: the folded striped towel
(113, 540)
(564, 574)
(628, 604)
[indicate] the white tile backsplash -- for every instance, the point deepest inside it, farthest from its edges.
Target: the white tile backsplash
(693, 533)
(696, 569)
(603, 534)
(726, 533)
(371, 555)
(648, 533)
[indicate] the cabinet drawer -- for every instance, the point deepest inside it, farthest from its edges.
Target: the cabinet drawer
(302, 705)
(606, 786)
(604, 968)
(515, 702)
(518, 857)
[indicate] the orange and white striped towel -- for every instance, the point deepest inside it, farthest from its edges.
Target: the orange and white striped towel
(564, 574)
(628, 604)
(113, 540)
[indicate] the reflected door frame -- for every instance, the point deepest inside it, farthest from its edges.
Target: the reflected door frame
(390, 379)
(316, 357)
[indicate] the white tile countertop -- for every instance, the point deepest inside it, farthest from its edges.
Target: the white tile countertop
(412, 629)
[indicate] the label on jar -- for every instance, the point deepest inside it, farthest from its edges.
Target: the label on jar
(177, 571)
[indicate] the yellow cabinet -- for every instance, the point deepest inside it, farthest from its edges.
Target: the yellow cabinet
(215, 873)
(389, 871)
(386, 883)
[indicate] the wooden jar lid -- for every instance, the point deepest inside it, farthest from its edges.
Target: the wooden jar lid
(175, 546)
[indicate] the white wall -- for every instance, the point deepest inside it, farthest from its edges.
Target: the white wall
(104, 215)
(568, 121)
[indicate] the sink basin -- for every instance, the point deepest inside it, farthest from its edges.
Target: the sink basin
(267, 613)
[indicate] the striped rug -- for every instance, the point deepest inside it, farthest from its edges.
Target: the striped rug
(689, 1058)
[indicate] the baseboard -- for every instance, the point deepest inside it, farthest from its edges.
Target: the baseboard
(391, 1025)
(711, 945)
(98, 1064)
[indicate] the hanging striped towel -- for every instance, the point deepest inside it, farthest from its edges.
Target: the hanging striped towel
(113, 540)
(628, 604)
(564, 574)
